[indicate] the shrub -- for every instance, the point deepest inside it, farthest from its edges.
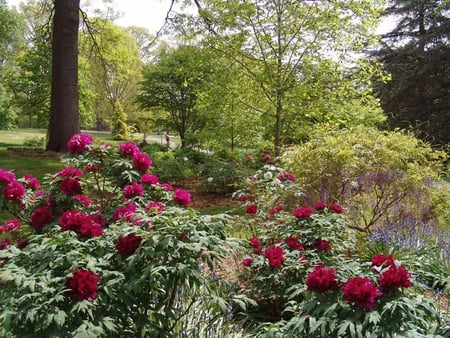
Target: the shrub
(376, 175)
(302, 267)
(105, 249)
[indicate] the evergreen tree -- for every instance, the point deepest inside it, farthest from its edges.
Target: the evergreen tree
(417, 55)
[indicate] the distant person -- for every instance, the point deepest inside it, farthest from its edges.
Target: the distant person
(167, 137)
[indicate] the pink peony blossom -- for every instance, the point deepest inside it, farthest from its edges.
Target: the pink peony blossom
(79, 143)
(182, 197)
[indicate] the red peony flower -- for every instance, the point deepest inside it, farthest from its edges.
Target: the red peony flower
(293, 243)
(252, 209)
(266, 158)
(69, 172)
(321, 279)
(141, 161)
(254, 242)
(125, 212)
(393, 278)
(383, 260)
(5, 243)
(303, 212)
(275, 210)
(40, 217)
(91, 168)
(149, 179)
(83, 199)
(9, 225)
(79, 143)
(154, 207)
(275, 255)
(336, 208)
(247, 261)
(132, 190)
(286, 177)
(361, 291)
(70, 186)
(127, 245)
(243, 198)
(7, 176)
(322, 245)
(83, 285)
(319, 205)
(166, 186)
(31, 182)
(128, 149)
(90, 228)
(182, 197)
(13, 191)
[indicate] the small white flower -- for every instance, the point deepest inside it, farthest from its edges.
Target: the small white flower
(210, 179)
(185, 159)
(268, 175)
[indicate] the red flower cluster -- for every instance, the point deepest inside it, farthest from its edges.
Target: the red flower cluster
(303, 212)
(336, 208)
(40, 217)
(319, 205)
(149, 179)
(127, 245)
(30, 182)
(125, 212)
(252, 209)
(322, 245)
(70, 186)
(14, 191)
(286, 177)
(293, 243)
(393, 278)
(128, 149)
(361, 291)
(141, 161)
(82, 223)
(83, 285)
(256, 245)
(276, 209)
(79, 143)
(247, 261)
(321, 279)
(383, 260)
(275, 255)
(132, 190)
(182, 197)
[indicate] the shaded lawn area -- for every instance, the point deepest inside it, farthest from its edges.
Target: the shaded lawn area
(29, 163)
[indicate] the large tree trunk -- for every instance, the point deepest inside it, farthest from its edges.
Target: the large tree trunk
(64, 119)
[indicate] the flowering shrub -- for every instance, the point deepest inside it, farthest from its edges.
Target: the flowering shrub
(303, 267)
(103, 249)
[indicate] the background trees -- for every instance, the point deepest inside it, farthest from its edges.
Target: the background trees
(174, 83)
(282, 45)
(417, 55)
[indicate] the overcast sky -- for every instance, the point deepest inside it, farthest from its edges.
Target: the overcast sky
(143, 13)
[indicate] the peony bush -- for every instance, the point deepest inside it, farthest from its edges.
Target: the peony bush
(103, 249)
(309, 278)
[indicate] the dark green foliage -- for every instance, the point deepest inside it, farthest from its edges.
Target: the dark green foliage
(417, 55)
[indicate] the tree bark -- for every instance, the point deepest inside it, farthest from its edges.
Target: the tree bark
(64, 115)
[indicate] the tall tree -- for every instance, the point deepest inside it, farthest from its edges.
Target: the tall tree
(110, 56)
(11, 41)
(64, 115)
(174, 84)
(278, 42)
(417, 55)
